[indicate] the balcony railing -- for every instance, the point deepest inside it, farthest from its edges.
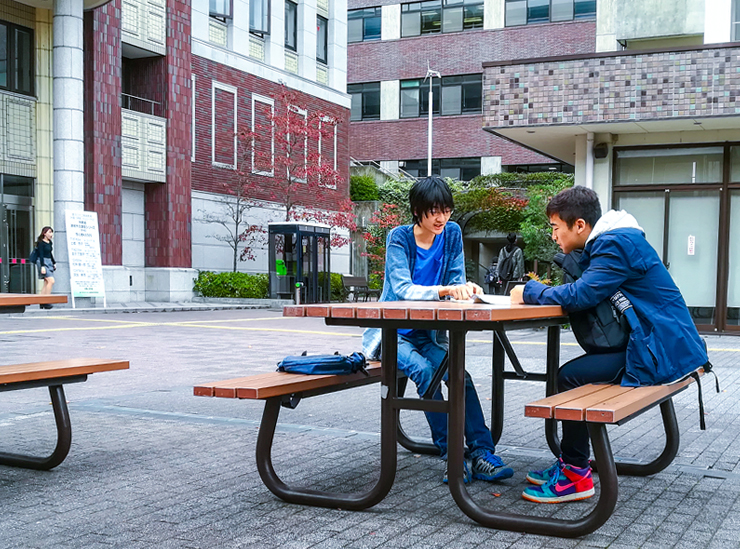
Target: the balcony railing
(613, 87)
(142, 105)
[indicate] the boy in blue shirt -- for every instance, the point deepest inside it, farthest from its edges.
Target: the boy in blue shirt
(425, 261)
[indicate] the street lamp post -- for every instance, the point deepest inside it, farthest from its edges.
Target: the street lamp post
(430, 75)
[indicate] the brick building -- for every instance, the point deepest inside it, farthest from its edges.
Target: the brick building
(391, 44)
(148, 97)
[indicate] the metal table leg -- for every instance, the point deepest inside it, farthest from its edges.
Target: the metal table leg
(508, 521)
(64, 437)
(412, 444)
(388, 426)
(497, 389)
(551, 385)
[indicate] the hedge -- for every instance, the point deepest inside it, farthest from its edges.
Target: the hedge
(242, 285)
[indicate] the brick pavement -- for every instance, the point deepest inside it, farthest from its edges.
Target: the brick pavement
(151, 465)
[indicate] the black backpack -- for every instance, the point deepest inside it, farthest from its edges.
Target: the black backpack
(602, 329)
(506, 267)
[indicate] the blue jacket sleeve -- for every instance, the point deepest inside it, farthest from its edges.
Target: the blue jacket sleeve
(455, 273)
(610, 265)
(398, 271)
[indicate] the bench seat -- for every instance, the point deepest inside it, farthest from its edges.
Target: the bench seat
(603, 403)
(52, 374)
(276, 384)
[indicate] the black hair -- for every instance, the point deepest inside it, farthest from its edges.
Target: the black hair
(511, 237)
(575, 203)
(43, 232)
(429, 193)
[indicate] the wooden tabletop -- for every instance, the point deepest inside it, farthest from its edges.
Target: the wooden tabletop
(426, 310)
(16, 300)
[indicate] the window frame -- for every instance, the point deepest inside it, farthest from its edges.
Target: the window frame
(215, 85)
(256, 98)
(443, 7)
(222, 16)
(378, 14)
(325, 58)
(321, 138)
(361, 89)
(439, 86)
(574, 15)
(294, 17)
(264, 17)
(12, 65)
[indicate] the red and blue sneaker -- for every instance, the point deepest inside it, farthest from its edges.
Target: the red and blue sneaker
(567, 483)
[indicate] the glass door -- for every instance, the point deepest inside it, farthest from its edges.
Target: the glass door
(733, 286)
(16, 240)
(683, 227)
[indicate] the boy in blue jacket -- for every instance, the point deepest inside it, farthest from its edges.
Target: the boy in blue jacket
(425, 261)
(664, 344)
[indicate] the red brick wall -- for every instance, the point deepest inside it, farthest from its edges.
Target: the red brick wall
(102, 42)
(454, 137)
(465, 52)
(147, 80)
(168, 207)
(207, 177)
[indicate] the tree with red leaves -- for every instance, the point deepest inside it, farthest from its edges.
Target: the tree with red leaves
(286, 144)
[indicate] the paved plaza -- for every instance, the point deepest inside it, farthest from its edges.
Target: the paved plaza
(153, 466)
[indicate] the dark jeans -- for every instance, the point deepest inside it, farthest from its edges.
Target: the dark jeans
(605, 368)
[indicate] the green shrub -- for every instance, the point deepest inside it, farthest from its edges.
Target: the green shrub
(337, 288)
(517, 180)
(242, 285)
(362, 187)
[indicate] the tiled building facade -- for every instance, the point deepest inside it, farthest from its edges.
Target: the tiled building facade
(651, 120)
(155, 148)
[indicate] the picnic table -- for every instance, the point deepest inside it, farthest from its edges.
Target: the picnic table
(597, 405)
(53, 374)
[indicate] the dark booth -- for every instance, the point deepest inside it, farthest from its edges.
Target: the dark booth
(299, 253)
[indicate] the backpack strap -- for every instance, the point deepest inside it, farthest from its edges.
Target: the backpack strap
(695, 374)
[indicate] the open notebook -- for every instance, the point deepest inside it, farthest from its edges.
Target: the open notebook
(488, 299)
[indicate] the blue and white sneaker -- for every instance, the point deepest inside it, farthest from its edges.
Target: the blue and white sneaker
(488, 466)
(543, 477)
(466, 473)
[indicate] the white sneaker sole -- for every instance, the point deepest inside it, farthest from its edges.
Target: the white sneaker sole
(562, 499)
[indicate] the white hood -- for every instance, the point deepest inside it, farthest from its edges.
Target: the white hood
(611, 220)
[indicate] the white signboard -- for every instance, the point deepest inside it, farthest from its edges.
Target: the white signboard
(692, 244)
(83, 248)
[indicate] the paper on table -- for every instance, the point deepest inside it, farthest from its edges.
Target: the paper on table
(501, 300)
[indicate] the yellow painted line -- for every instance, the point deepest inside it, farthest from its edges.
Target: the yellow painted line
(248, 329)
(186, 322)
(77, 329)
(82, 319)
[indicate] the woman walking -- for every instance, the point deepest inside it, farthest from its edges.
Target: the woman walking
(45, 262)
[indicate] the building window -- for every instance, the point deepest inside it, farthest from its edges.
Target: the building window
(454, 95)
(16, 58)
(224, 118)
(365, 101)
(322, 39)
(434, 16)
(291, 25)
(736, 21)
(363, 24)
(220, 9)
(461, 169)
(525, 12)
(259, 17)
(263, 132)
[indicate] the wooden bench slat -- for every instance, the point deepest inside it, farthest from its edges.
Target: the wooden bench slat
(575, 410)
(545, 408)
(34, 371)
(262, 386)
(622, 406)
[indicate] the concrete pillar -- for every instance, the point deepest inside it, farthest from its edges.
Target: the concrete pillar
(69, 146)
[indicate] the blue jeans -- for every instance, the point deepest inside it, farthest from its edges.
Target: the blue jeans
(419, 357)
(602, 368)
